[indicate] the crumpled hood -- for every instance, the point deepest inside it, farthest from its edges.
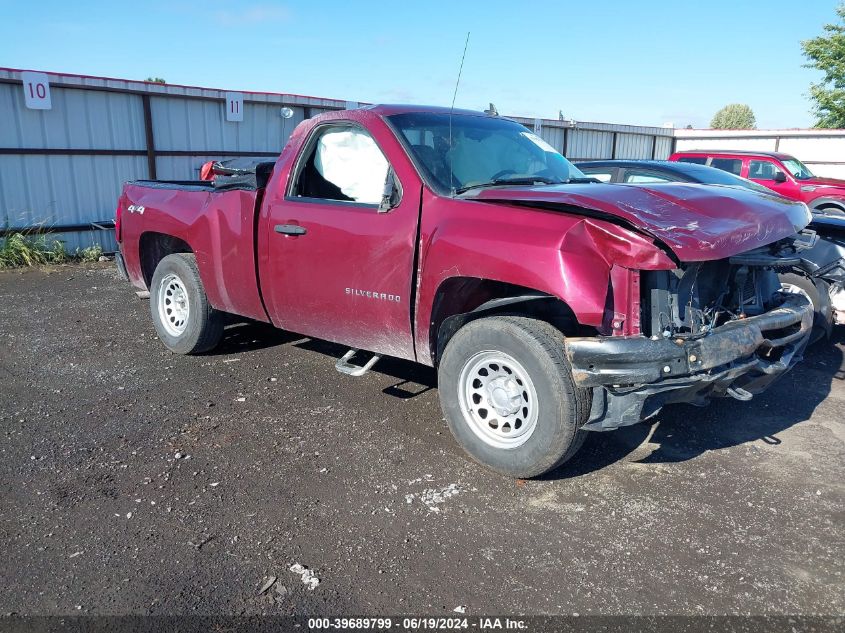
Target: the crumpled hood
(698, 222)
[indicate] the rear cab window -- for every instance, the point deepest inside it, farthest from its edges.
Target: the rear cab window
(639, 176)
(601, 174)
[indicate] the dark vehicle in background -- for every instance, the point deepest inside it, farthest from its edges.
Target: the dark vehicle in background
(825, 260)
(653, 171)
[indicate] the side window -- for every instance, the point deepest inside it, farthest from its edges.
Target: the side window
(762, 170)
(730, 165)
(603, 176)
(643, 177)
(343, 163)
(698, 160)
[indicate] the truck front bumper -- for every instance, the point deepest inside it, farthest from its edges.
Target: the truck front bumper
(633, 376)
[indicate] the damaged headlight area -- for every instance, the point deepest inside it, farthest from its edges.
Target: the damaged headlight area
(709, 329)
(698, 297)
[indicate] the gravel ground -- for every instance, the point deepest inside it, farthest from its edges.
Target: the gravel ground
(135, 481)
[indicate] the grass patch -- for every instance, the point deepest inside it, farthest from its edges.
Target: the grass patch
(90, 254)
(23, 249)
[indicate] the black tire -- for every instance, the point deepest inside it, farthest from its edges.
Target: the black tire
(562, 408)
(822, 318)
(203, 326)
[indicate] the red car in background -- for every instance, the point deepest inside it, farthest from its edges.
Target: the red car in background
(780, 172)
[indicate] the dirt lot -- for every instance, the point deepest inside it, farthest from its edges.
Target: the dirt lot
(136, 481)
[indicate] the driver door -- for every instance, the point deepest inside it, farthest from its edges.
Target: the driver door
(340, 267)
(765, 172)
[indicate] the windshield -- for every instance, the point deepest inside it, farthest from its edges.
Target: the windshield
(484, 150)
(797, 169)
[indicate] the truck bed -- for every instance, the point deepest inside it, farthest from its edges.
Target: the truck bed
(187, 185)
(216, 220)
(247, 174)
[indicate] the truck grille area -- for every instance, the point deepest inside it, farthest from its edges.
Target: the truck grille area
(695, 298)
(708, 329)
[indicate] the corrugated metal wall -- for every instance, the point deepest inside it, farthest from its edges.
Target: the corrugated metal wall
(579, 140)
(821, 150)
(65, 166)
(68, 189)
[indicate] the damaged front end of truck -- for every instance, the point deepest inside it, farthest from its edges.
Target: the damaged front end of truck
(715, 322)
(826, 264)
(708, 329)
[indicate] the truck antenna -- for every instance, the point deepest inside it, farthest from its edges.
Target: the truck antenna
(452, 107)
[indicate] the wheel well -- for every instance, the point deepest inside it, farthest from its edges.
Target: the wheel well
(154, 247)
(460, 300)
(829, 205)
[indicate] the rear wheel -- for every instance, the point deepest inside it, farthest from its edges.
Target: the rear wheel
(822, 319)
(185, 321)
(507, 392)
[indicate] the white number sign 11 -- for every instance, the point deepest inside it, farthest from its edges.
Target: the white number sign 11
(234, 106)
(36, 90)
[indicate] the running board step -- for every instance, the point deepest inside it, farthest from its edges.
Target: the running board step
(345, 367)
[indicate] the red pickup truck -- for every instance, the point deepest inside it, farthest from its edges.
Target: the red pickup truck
(550, 304)
(780, 172)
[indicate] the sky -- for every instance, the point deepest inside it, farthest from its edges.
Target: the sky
(641, 62)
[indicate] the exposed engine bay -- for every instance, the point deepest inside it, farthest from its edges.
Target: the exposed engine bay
(722, 328)
(695, 298)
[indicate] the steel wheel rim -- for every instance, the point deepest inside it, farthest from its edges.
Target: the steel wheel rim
(174, 307)
(498, 399)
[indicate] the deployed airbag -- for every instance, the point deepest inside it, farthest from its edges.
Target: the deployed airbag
(350, 159)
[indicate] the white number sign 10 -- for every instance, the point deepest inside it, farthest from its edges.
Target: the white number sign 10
(36, 90)
(234, 106)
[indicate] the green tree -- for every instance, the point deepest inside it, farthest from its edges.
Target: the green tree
(155, 80)
(827, 54)
(734, 116)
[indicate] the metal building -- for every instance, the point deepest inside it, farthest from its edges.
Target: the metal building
(62, 167)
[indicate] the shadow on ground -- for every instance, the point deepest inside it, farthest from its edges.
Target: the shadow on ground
(246, 336)
(681, 432)
(241, 336)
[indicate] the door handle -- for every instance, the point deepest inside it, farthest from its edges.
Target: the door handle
(290, 229)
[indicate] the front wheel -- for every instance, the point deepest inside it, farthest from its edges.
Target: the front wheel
(184, 320)
(822, 317)
(507, 393)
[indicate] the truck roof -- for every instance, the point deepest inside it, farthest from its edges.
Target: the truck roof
(632, 162)
(738, 152)
(388, 109)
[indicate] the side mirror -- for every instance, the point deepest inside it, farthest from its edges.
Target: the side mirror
(390, 195)
(779, 176)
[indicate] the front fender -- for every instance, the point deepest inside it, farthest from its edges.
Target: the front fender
(562, 255)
